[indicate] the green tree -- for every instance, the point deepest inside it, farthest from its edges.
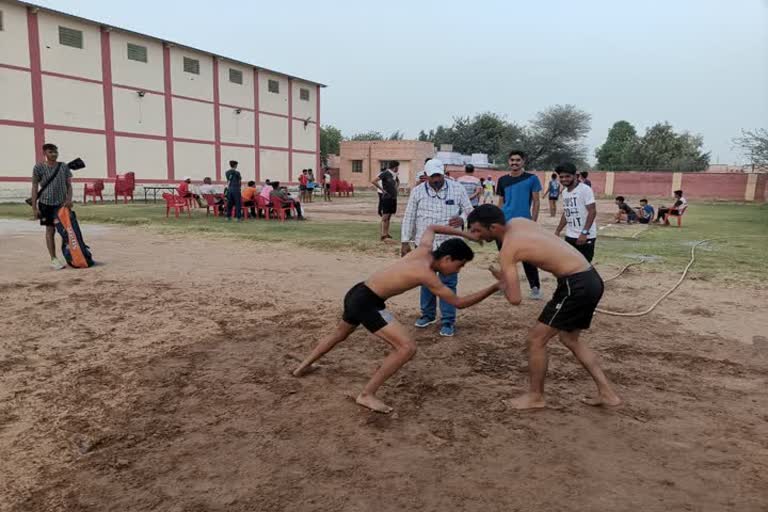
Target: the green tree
(618, 150)
(554, 135)
(754, 145)
(396, 135)
(330, 139)
(423, 136)
(371, 135)
(662, 149)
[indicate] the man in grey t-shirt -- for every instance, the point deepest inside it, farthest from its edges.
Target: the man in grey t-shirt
(56, 194)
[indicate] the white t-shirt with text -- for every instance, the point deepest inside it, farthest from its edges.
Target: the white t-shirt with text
(575, 210)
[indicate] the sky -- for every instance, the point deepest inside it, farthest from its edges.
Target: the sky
(407, 65)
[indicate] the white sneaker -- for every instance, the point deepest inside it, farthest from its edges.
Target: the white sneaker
(535, 294)
(56, 264)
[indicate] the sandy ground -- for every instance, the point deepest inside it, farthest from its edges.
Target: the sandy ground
(159, 381)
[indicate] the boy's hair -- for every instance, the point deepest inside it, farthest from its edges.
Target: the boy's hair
(427, 159)
(251, 183)
(644, 200)
(554, 176)
(233, 163)
(518, 152)
(394, 164)
(206, 180)
(275, 184)
(679, 193)
(566, 168)
(469, 168)
(486, 214)
(584, 174)
(455, 248)
(620, 199)
(53, 147)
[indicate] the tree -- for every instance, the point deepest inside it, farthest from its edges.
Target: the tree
(754, 145)
(661, 148)
(556, 134)
(371, 135)
(330, 139)
(423, 137)
(396, 135)
(617, 151)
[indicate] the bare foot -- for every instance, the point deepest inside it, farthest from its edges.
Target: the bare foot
(526, 402)
(373, 403)
(306, 370)
(604, 400)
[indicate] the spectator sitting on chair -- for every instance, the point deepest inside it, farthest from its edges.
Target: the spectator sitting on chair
(281, 194)
(208, 188)
(249, 197)
(625, 212)
(644, 212)
(677, 209)
(184, 190)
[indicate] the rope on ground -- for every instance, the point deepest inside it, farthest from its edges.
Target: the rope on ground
(623, 270)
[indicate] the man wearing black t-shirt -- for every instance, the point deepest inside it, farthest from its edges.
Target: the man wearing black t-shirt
(387, 185)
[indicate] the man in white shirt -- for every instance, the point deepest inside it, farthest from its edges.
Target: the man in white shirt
(579, 212)
(436, 201)
(471, 184)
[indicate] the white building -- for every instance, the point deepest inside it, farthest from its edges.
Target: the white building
(124, 102)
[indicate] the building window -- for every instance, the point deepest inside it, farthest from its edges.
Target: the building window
(191, 66)
(235, 76)
(357, 166)
(273, 86)
(304, 94)
(137, 52)
(71, 37)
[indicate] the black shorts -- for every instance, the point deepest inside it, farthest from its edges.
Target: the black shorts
(362, 306)
(644, 221)
(574, 301)
(587, 250)
(48, 213)
(387, 206)
(302, 187)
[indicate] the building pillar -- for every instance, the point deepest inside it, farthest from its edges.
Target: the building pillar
(109, 109)
(317, 128)
(749, 193)
(256, 137)
(677, 182)
(290, 130)
(216, 118)
(168, 111)
(609, 180)
(38, 112)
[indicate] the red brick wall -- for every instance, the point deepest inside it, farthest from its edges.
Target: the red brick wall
(714, 186)
(761, 191)
(655, 184)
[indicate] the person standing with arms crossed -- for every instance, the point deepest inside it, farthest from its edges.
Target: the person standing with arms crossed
(518, 194)
(442, 202)
(234, 198)
(579, 212)
(52, 187)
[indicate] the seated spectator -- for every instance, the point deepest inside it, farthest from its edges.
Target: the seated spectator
(644, 212)
(677, 209)
(281, 195)
(185, 192)
(208, 188)
(625, 212)
(266, 190)
(249, 197)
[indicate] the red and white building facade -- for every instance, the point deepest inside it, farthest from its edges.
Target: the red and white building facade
(125, 102)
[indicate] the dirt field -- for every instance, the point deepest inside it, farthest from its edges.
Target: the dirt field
(159, 381)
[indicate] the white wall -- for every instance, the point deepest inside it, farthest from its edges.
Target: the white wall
(301, 108)
(304, 138)
(16, 95)
(188, 84)
(232, 93)
(144, 157)
(85, 62)
(141, 75)
(274, 165)
(192, 119)
(73, 103)
(14, 38)
(17, 145)
(273, 131)
(245, 157)
(304, 161)
(236, 128)
(138, 115)
(271, 102)
(91, 148)
(195, 160)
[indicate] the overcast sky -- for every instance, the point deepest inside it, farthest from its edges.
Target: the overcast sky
(702, 65)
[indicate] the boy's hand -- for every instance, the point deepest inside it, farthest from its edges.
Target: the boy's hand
(456, 222)
(495, 271)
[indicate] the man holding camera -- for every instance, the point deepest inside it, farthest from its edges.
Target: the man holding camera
(51, 189)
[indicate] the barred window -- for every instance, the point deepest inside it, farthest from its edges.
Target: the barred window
(191, 66)
(304, 94)
(273, 86)
(357, 166)
(71, 37)
(137, 52)
(235, 76)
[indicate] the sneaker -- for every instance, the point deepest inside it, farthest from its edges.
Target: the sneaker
(56, 264)
(535, 293)
(447, 330)
(424, 322)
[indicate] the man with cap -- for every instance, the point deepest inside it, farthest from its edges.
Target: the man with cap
(435, 201)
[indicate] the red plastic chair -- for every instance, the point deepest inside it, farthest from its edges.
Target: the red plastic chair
(178, 203)
(210, 203)
(281, 208)
(94, 189)
(124, 185)
(263, 206)
(679, 216)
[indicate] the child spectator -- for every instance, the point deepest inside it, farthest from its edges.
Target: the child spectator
(677, 209)
(625, 212)
(249, 197)
(644, 212)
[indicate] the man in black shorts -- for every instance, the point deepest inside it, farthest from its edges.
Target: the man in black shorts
(365, 304)
(51, 189)
(579, 289)
(387, 185)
